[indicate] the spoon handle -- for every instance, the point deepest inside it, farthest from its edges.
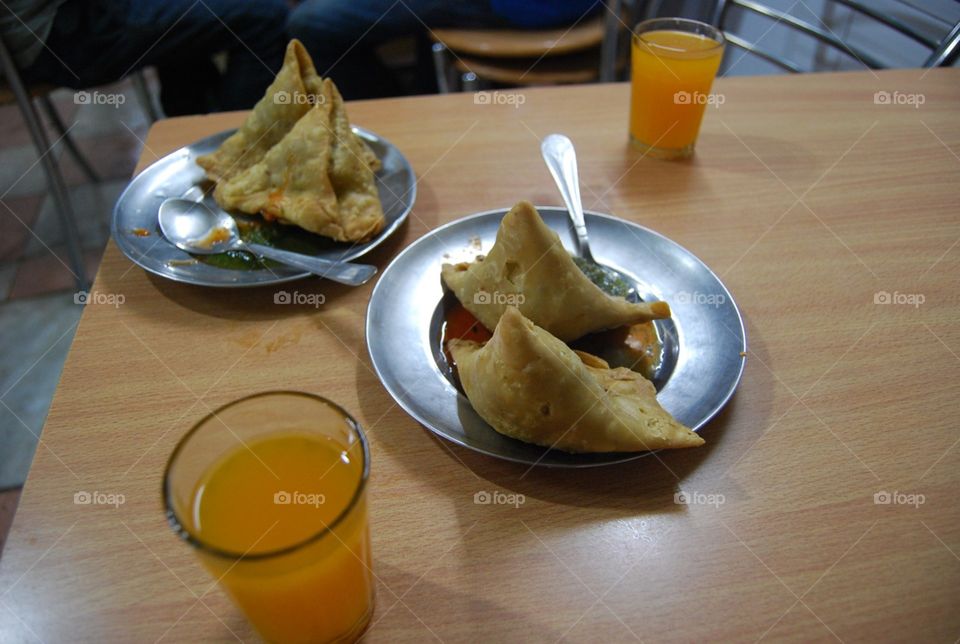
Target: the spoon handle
(342, 272)
(561, 159)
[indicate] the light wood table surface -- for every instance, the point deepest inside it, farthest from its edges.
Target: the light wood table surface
(807, 197)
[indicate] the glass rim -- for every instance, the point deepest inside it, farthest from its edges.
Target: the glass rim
(195, 541)
(715, 34)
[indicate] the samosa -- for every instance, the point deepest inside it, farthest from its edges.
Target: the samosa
(289, 97)
(317, 177)
(529, 385)
(529, 268)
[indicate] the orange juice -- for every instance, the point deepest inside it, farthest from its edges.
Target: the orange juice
(286, 492)
(672, 71)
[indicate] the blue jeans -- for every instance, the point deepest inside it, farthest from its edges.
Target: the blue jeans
(94, 42)
(342, 34)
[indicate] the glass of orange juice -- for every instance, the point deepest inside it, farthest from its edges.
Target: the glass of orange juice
(673, 64)
(270, 491)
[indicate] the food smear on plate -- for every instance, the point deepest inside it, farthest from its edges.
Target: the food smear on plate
(296, 159)
(258, 231)
(529, 385)
(174, 263)
(529, 268)
(140, 232)
(458, 324)
(216, 235)
(635, 346)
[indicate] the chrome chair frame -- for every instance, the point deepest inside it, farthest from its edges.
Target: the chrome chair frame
(943, 52)
(51, 169)
(58, 187)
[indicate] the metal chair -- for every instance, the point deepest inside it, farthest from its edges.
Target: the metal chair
(23, 95)
(618, 21)
(943, 52)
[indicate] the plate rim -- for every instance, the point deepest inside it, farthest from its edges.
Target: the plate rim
(628, 456)
(184, 279)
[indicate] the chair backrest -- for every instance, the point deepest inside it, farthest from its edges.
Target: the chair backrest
(943, 50)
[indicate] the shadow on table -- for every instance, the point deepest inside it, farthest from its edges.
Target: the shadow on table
(759, 154)
(663, 180)
(646, 484)
(445, 603)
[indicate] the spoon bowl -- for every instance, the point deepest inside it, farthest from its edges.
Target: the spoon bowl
(193, 227)
(561, 159)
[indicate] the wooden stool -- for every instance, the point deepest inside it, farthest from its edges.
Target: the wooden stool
(519, 57)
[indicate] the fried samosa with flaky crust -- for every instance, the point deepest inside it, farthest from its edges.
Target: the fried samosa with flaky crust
(529, 267)
(289, 97)
(529, 385)
(318, 177)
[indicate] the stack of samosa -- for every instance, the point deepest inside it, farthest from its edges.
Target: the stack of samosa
(296, 160)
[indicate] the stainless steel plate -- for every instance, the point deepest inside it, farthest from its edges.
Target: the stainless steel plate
(176, 173)
(703, 341)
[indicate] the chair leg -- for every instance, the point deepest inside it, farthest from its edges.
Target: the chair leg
(441, 67)
(144, 97)
(58, 188)
(610, 47)
(469, 82)
(68, 141)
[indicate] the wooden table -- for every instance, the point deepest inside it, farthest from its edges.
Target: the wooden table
(810, 200)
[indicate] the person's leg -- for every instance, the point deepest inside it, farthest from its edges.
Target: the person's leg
(342, 34)
(189, 88)
(94, 42)
(252, 32)
(335, 32)
(82, 47)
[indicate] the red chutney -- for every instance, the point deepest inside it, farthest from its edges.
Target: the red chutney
(635, 347)
(461, 325)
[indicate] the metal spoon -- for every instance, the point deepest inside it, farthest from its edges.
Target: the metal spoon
(191, 226)
(561, 159)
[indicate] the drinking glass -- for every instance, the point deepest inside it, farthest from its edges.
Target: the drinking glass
(295, 465)
(673, 64)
